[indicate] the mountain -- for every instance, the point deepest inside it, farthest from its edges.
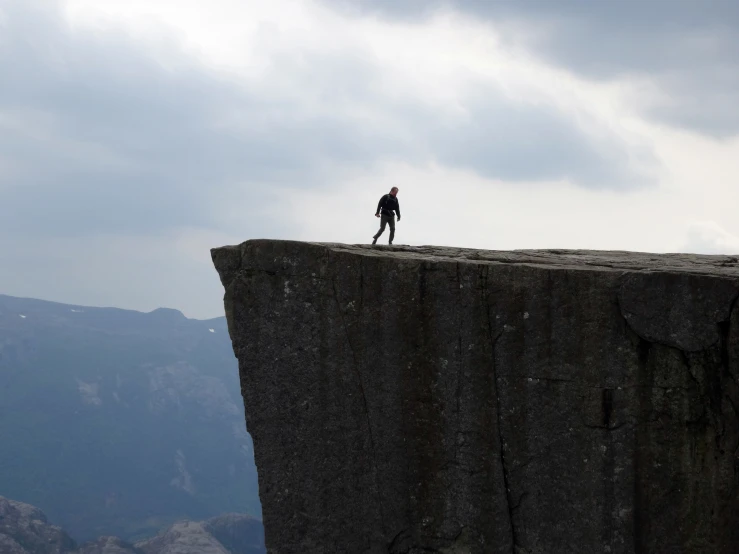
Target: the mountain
(225, 534)
(24, 529)
(118, 422)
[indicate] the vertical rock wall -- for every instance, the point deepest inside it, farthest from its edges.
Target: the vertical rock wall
(418, 400)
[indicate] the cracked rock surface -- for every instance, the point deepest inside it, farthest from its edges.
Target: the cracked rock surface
(411, 400)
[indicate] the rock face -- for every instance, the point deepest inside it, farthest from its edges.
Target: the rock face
(24, 529)
(408, 400)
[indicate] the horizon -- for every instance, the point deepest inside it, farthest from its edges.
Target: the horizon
(395, 246)
(108, 307)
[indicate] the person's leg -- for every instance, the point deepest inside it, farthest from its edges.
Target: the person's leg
(391, 221)
(383, 222)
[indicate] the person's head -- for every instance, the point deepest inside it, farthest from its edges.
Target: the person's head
(394, 191)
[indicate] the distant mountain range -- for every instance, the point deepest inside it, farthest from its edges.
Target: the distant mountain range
(117, 422)
(24, 529)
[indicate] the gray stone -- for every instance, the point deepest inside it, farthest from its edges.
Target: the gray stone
(24, 529)
(423, 399)
(108, 545)
(186, 537)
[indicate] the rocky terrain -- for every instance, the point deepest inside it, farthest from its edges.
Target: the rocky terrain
(24, 529)
(117, 422)
(419, 399)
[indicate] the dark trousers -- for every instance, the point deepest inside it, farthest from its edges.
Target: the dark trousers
(386, 220)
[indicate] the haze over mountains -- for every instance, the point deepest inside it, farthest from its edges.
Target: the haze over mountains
(116, 422)
(24, 529)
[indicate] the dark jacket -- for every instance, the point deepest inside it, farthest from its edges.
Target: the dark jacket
(387, 204)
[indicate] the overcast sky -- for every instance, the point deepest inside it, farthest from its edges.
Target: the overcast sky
(137, 134)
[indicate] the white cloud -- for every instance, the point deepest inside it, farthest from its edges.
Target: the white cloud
(398, 83)
(706, 237)
(456, 208)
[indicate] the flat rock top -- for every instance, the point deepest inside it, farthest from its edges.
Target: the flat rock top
(727, 265)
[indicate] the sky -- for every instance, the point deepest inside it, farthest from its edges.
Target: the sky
(135, 135)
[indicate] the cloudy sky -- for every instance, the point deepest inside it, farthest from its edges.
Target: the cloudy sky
(137, 134)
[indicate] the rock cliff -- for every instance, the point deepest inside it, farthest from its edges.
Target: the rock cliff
(422, 399)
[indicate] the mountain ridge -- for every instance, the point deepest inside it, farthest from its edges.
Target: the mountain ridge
(24, 529)
(141, 413)
(40, 302)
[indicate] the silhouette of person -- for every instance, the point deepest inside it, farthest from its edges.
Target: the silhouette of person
(386, 210)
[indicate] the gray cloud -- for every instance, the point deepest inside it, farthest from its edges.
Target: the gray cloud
(102, 138)
(706, 100)
(600, 38)
(98, 140)
(105, 139)
(688, 48)
(516, 142)
(108, 140)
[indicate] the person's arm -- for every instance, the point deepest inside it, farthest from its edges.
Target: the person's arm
(397, 208)
(379, 207)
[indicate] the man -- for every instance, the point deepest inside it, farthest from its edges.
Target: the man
(385, 208)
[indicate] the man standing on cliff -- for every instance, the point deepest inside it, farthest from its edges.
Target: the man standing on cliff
(385, 208)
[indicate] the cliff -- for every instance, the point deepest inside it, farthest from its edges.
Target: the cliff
(422, 399)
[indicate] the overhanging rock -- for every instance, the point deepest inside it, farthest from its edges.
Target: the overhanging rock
(409, 400)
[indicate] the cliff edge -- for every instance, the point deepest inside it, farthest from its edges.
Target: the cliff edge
(424, 399)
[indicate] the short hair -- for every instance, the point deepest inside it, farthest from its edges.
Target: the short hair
(394, 188)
